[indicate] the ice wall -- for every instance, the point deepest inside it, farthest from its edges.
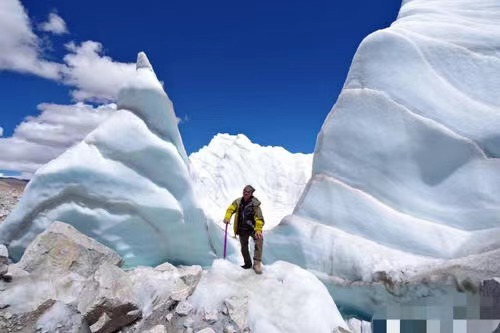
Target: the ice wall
(406, 171)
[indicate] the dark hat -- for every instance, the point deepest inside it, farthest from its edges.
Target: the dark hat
(249, 188)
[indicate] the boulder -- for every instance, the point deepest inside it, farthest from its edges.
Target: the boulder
(237, 309)
(109, 303)
(61, 249)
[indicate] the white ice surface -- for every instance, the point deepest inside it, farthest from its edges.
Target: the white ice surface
(285, 298)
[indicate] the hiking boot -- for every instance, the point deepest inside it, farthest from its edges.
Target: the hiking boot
(246, 266)
(257, 267)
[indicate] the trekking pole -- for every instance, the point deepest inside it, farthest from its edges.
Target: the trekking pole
(225, 241)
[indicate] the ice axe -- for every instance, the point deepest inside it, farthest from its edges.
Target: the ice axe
(225, 241)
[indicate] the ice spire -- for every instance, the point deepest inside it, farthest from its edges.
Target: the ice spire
(144, 96)
(143, 61)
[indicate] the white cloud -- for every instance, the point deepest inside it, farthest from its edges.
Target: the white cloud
(37, 140)
(55, 24)
(93, 76)
(96, 77)
(19, 46)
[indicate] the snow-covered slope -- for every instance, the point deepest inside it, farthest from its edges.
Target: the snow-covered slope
(286, 298)
(406, 169)
(221, 170)
(126, 184)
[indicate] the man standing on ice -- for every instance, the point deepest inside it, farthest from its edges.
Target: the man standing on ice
(248, 222)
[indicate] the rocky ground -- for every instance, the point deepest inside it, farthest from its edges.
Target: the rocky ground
(10, 192)
(67, 282)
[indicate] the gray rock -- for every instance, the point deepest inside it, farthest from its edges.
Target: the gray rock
(183, 308)
(158, 316)
(210, 316)
(61, 249)
(229, 329)
(157, 329)
(191, 275)
(189, 278)
(237, 308)
(4, 260)
(62, 317)
(166, 267)
(100, 324)
(50, 316)
(110, 303)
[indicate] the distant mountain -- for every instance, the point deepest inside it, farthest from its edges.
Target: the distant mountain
(229, 162)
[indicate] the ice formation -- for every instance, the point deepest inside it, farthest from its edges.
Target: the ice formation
(127, 185)
(406, 174)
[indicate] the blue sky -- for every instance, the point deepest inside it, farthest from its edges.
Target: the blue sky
(269, 69)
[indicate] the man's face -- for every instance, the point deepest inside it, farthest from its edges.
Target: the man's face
(247, 194)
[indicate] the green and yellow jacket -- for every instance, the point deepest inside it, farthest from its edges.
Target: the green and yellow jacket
(258, 219)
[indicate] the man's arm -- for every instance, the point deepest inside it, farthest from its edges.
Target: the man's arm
(230, 211)
(259, 222)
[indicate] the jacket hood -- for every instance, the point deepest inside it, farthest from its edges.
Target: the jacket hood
(255, 201)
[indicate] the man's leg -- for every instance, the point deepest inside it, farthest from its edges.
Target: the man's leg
(244, 249)
(257, 254)
(259, 244)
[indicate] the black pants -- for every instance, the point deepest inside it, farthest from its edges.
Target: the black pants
(244, 236)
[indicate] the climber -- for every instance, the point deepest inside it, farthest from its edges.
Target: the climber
(248, 222)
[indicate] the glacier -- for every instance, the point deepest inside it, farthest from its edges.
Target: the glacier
(400, 202)
(406, 175)
(127, 185)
